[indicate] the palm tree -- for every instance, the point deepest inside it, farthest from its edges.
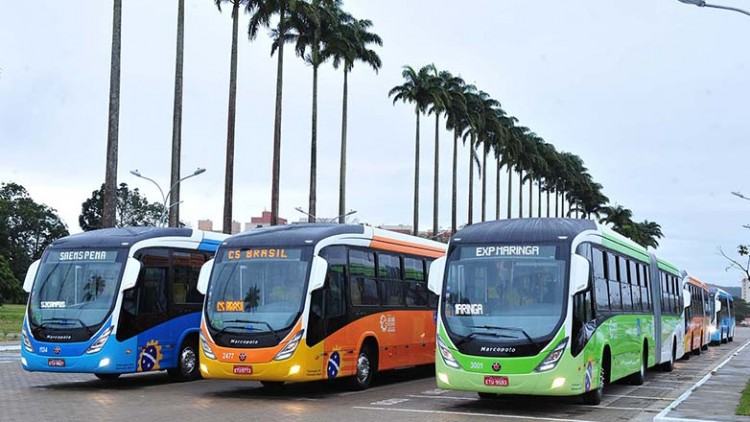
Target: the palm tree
(418, 88)
(174, 211)
(438, 106)
(456, 117)
(349, 42)
(109, 210)
(261, 12)
(617, 215)
(513, 150)
(311, 27)
(231, 118)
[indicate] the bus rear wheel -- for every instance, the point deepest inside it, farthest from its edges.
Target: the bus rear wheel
(640, 377)
(366, 367)
(107, 377)
(187, 363)
(594, 397)
(668, 366)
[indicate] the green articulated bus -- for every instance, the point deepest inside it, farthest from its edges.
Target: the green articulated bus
(555, 307)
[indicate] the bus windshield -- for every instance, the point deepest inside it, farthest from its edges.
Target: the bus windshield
(509, 292)
(257, 290)
(75, 289)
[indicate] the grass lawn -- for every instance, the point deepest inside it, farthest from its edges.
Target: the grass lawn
(744, 407)
(11, 318)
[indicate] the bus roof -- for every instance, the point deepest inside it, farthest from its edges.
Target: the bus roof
(123, 236)
(694, 281)
(292, 234)
(523, 230)
(720, 292)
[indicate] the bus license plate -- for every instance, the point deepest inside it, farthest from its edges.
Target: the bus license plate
(495, 381)
(56, 363)
(242, 370)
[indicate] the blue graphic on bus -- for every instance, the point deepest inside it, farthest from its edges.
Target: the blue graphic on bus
(334, 364)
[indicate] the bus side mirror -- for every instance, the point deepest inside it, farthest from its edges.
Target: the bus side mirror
(579, 274)
(130, 275)
(204, 276)
(686, 299)
(436, 276)
(318, 271)
(717, 306)
(28, 282)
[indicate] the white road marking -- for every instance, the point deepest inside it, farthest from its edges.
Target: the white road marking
(662, 416)
(419, 396)
(388, 402)
(625, 396)
(475, 414)
(436, 391)
(10, 348)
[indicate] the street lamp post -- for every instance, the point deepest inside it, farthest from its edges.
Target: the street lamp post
(325, 220)
(165, 198)
(702, 3)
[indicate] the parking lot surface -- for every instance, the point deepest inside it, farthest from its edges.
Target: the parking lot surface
(407, 395)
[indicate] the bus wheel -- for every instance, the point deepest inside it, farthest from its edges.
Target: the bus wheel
(703, 346)
(669, 365)
(366, 364)
(487, 396)
(187, 363)
(724, 339)
(697, 350)
(107, 377)
(594, 397)
(640, 377)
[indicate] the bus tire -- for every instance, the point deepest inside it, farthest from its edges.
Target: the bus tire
(703, 346)
(107, 377)
(669, 365)
(366, 368)
(697, 350)
(187, 362)
(594, 397)
(640, 377)
(724, 339)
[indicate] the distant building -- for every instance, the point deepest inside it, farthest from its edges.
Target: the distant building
(236, 227)
(206, 225)
(400, 228)
(263, 221)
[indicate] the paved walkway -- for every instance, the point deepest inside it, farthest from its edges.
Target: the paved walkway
(715, 397)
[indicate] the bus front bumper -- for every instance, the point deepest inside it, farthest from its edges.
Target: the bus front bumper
(293, 369)
(556, 382)
(103, 362)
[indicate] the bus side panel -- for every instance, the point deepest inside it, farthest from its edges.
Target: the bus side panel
(671, 334)
(159, 346)
(625, 335)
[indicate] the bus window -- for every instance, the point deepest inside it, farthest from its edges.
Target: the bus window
(635, 285)
(364, 288)
(186, 267)
(601, 292)
(627, 299)
(413, 269)
(389, 279)
(615, 301)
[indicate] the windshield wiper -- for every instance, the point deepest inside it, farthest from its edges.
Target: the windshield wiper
(474, 334)
(247, 321)
(66, 321)
(497, 327)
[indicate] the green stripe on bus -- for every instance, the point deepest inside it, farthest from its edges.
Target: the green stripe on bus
(618, 246)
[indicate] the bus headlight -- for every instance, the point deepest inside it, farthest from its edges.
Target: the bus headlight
(550, 362)
(97, 346)
(447, 355)
(290, 347)
(26, 341)
(206, 348)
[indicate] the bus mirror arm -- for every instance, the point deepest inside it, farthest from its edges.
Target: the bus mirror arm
(436, 276)
(579, 274)
(204, 276)
(28, 282)
(686, 299)
(318, 271)
(130, 275)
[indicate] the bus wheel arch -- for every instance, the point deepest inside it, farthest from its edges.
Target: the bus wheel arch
(606, 365)
(668, 366)
(366, 364)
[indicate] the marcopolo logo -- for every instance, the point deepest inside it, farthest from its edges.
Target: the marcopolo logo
(497, 349)
(243, 342)
(469, 309)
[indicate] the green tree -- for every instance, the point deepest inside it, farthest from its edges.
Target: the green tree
(418, 89)
(10, 287)
(741, 310)
(26, 228)
(348, 42)
(231, 117)
(133, 209)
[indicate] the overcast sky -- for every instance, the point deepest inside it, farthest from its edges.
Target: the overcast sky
(653, 95)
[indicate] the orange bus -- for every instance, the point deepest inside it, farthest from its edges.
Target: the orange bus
(697, 317)
(310, 302)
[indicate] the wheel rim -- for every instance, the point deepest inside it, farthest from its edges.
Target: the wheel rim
(187, 361)
(363, 368)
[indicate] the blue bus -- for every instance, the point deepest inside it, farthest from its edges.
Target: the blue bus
(722, 316)
(117, 301)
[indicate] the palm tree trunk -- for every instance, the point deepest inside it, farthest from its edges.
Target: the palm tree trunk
(520, 193)
(415, 227)
(110, 177)
(557, 204)
(276, 165)
(174, 212)
(436, 178)
(510, 189)
(342, 164)
(484, 183)
(454, 182)
(531, 198)
(231, 113)
(313, 149)
(548, 199)
(471, 182)
(497, 191)
(539, 198)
